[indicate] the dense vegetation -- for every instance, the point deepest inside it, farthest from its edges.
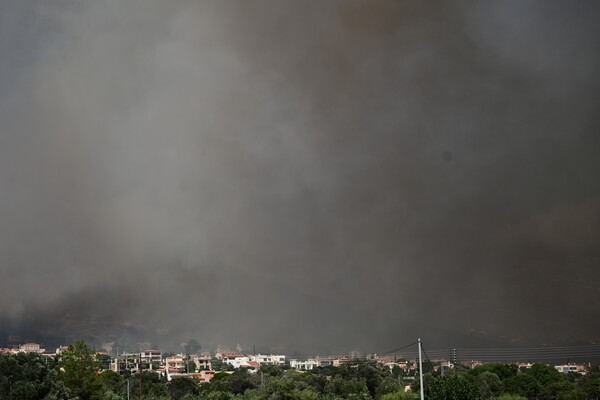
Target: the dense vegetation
(75, 374)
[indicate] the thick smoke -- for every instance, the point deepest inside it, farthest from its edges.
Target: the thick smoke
(300, 175)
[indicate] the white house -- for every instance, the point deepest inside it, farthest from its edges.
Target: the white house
(269, 359)
(236, 360)
(151, 356)
(566, 368)
(29, 348)
(306, 365)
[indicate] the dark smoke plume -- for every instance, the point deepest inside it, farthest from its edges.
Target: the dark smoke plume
(300, 175)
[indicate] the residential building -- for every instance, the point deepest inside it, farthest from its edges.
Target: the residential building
(176, 362)
(236, 360)
(566, 368)
(305, 365)
(151, 358)
(202, 376)
(29, 348)
(207, 375)
(126, 362)
(325, 362)
(339, 361)
(268, 359)
(202, 363)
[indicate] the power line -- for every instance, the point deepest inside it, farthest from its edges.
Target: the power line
(510, 354)
(527, 358)
(427, 357)
(400, 348)
(535, 348)
(531, 353)
(507, 354)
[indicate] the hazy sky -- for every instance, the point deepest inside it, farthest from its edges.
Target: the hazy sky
(304, 175)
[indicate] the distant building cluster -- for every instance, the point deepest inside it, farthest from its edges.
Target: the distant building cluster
(201, 366)
(24, 348)
(197, 366)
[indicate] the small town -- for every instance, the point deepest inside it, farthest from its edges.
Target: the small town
(225, 374)
(202, 366)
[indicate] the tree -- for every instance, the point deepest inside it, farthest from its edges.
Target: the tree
(77, 369)
(152, 385)
(428, 379)
(372, 375)
(558, 390)
(317, 382)
(493, 382)
(217, 364)
(400, 395)
(589, 385)
(452, 388)
(29, 376)
(219, 396)
(545, 374)
(398, 372)
(181, 386)
(271, 370)
(510, 397)
(240, 381)
(388, 385)
(346, 387)
(113, 382)
(522, 385)
(488, 383)
(503, 371)
(594, 368)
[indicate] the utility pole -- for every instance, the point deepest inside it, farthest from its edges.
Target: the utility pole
(422, 388)
(127, 388)
(262, 380)
(140, 372)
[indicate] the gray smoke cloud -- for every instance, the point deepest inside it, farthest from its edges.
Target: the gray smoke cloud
(313, 176)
